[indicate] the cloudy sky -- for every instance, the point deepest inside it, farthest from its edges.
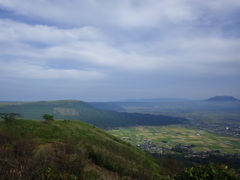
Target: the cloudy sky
(100, 50)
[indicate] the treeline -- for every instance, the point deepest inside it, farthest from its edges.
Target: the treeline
(116, 119)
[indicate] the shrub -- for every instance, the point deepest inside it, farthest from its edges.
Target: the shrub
(208, 172)
(92, 174)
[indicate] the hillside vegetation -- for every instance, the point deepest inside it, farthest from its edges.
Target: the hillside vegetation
(63, 149)
(78, 110)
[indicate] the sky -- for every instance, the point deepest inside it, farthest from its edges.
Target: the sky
(106, 50)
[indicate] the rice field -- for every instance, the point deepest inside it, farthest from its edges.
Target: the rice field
(170, 136)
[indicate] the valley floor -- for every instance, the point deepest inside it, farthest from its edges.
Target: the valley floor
(179, 139)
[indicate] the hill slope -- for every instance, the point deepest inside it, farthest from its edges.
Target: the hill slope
(78, 110)
(107, 106)
(68, 150)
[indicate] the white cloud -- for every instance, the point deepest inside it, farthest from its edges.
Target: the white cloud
(24, 70)
(116, 13)
(87, 48)
(148, 41)
(76, 46)
(15, 31)
(125, 13)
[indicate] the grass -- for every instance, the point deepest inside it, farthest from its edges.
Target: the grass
(175, 134)
(65, 148)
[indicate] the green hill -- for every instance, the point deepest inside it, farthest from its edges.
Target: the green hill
(62, 149)
(78, 110)
(107, 106)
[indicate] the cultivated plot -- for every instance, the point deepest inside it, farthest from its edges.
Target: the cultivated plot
(173, 135)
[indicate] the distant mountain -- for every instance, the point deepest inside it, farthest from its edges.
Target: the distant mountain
(222, 98)
(81, 111)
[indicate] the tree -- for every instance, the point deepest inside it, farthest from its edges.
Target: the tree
(48, 117)
(9, 117)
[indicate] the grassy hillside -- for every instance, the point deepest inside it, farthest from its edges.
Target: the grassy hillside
(78, 110)
(61, 149)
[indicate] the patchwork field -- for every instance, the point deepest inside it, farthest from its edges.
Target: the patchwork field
(170, 136)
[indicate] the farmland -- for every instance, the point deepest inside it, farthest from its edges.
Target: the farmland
(165, 138)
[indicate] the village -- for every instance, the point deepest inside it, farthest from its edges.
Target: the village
(187, 150)
(229, 129)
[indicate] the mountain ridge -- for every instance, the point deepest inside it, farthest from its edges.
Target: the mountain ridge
(82, 111)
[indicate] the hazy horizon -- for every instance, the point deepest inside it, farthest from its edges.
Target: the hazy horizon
(113, 50)
(158, 99)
